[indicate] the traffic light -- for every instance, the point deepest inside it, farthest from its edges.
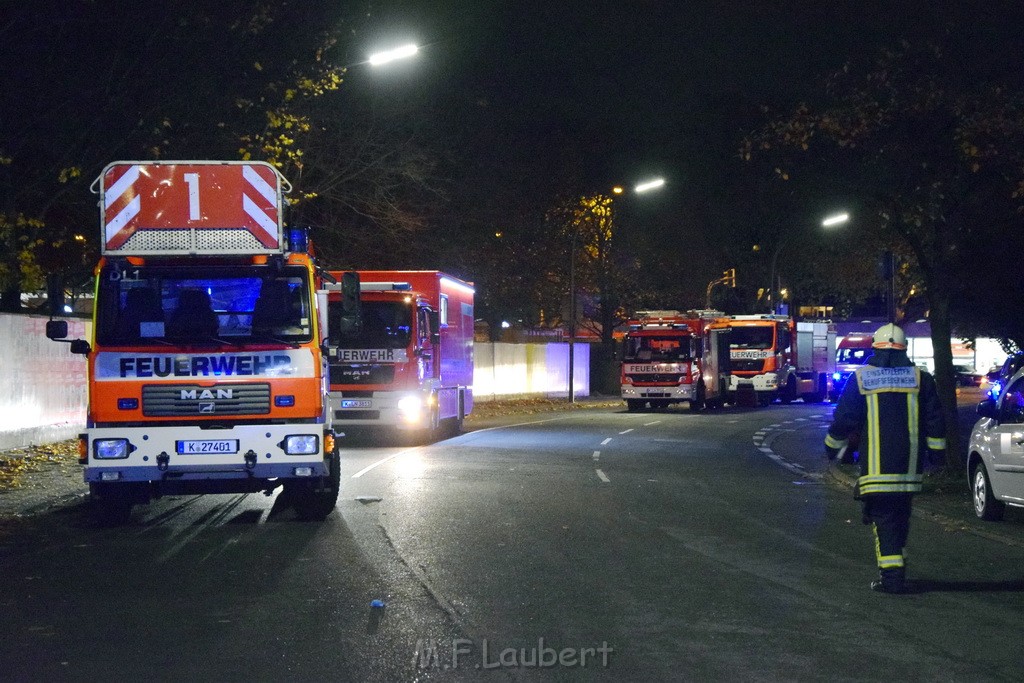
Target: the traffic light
(351, 321)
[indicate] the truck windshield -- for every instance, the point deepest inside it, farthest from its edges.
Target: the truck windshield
(641, 349)
(853, 356)
(228, 304)
(386, 325)
(751, 337)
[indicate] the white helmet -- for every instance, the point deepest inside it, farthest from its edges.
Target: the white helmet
(889, 337)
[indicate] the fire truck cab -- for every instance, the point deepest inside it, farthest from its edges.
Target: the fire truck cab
(669, 357)
(205, 367)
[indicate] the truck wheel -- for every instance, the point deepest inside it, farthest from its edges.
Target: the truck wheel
(111, 506)
(698, 402)
(634, 405)
(819, 393)
(314, 500)
(788, 395)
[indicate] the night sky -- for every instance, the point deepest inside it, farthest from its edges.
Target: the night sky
(643, 87)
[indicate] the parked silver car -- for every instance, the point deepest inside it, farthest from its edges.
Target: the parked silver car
(995, 455)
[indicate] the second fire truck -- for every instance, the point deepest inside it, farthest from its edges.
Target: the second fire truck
(674, 357)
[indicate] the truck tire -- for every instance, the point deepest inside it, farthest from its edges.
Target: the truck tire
(820, 392)
(111, 505)
(697, 403)
(314, 500)
(634, 405)
(788, 394)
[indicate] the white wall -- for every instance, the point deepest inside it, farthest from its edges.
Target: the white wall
(44, 389)
(503, 370)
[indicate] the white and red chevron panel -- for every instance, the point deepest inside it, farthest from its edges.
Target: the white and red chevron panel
(190, 207)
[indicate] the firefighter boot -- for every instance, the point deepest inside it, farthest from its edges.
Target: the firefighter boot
(890, 581)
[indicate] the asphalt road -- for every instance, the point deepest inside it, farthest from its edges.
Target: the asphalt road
(589, 544)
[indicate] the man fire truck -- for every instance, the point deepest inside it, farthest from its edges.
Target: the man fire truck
(777, 358)
(670, 357)
(205, 371)
(409, 365)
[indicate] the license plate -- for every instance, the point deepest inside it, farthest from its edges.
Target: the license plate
(353, 403)
(207, 446)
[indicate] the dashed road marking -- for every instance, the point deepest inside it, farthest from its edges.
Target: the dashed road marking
(603, 477)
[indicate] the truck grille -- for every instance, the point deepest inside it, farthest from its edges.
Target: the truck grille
(170, 400)
(362, 374)
(656, 379)
(746, 365)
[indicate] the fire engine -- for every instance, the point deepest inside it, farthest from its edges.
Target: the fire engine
(775, 357)
(204, 367)
(408, 366)
(853, 351)
(671, 357)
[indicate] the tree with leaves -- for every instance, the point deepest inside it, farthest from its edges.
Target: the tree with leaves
(925, 146)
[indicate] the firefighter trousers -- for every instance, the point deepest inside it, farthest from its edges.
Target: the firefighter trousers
(889, 515)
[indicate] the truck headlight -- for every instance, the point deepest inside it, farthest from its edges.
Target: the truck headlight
(110, 449)
(301, 444)
(411, 408)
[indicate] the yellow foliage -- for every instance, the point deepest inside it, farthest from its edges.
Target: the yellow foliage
(70, 173)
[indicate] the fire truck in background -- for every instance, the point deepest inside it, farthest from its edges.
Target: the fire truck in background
(671, 357)
(409, 365)
(205, 366)
(853, 352)
(775, 357)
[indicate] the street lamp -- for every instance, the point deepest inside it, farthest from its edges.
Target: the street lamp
(386, 56)
(827, 222)
(640, 188)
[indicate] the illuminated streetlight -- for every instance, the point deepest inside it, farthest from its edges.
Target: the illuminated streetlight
(618, 190)
(386, 56)
(828, 222)
(835, 220)
(649, 185)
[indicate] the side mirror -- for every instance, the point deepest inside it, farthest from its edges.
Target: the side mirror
(987, 408)
(56, 329)
(80, 346)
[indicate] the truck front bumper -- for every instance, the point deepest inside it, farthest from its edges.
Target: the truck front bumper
(681, 392)
(245, 452)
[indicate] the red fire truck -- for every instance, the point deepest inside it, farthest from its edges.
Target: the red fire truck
(409, 365)
(774, 357)
(670, 357)
(205, 368)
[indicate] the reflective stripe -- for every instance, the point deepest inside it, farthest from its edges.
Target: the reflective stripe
(936, 444)
(885, 561)
(833, 442)
(874, 447)
(913, 427)
(890, 488)
(890, 483)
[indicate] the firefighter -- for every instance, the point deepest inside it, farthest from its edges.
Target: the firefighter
(894, 407)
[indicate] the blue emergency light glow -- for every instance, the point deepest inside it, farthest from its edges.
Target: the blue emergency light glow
(298, 240)
(127, 403)
(284, 401)
(837, 375)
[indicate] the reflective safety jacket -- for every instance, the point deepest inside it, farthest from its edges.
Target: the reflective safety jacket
(895, 408)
